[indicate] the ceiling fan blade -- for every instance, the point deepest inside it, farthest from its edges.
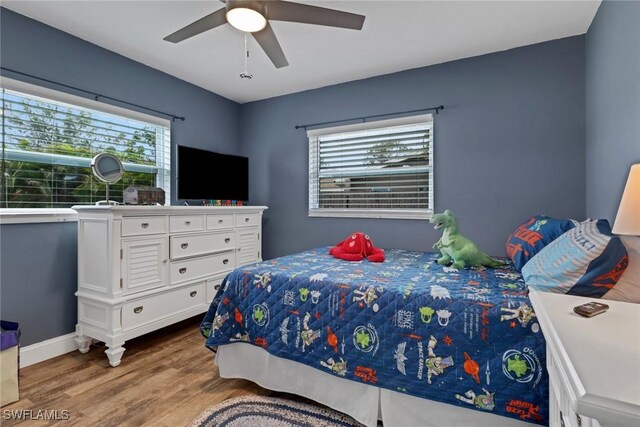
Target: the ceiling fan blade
(267, 40)
(209, 22)
(307, 14)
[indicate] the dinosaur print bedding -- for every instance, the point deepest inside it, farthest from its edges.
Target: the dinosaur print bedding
(467, 338)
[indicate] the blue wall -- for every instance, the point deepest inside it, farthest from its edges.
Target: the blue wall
(612, 104)
(509, 144)
(38, 276)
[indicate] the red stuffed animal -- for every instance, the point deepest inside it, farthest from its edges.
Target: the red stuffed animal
(356, 247)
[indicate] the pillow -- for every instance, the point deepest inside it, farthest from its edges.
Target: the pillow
(628, 287)
(586, 260)
(533, 235)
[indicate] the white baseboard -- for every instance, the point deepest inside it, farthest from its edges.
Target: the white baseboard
(41, 351)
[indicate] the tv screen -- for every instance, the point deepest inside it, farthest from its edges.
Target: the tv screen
(205, 175)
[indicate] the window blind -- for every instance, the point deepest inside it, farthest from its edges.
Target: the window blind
(380, 169)
(47, 147)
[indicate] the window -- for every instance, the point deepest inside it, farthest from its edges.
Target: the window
(49, 139)
(381, 169)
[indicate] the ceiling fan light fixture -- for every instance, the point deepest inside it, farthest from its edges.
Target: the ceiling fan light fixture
(245, 19)
(253, 16)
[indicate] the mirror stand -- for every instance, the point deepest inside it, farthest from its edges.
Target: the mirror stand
(107, 201)
(108, 169)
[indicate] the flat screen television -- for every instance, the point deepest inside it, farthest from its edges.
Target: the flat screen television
(205, 175)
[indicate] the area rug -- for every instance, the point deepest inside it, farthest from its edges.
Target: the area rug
(259, 411)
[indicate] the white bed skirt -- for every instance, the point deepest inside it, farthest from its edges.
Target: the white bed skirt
(363, 402)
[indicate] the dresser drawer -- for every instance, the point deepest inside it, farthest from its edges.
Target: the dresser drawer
(219, 222)
(213, 285)
(182, 223)
(196, 268)
(143, 225)
(201, 244)
(247, 220)
(142, 311)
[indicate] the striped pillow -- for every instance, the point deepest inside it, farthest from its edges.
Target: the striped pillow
(586, 260)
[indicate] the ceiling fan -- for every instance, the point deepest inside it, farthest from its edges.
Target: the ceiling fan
(253, 16)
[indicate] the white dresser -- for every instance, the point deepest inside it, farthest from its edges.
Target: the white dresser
(593, 363)
(141, 268)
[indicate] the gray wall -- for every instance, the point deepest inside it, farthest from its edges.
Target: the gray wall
(612, 104)
(38, 275)
(509, 144)
(38, 278)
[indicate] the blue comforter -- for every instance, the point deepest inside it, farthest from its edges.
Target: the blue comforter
(468, 338)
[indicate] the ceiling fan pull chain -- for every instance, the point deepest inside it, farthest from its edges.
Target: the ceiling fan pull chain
(245, 74)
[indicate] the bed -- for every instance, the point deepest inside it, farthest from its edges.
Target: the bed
(406, 341)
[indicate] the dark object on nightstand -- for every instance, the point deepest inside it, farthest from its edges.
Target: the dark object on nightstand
(590, 309)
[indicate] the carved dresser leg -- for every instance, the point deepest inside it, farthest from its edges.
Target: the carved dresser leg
(83, 342)
(115, 354)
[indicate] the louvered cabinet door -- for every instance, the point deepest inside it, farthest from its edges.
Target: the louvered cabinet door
(144, 264)
(248, 250)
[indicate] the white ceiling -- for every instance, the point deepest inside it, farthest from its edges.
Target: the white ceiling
(397, 35)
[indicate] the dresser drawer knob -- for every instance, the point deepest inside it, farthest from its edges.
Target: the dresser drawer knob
(220, 221)
(193, 293)
(137, 310)
(164, 261)
(184, 245)
(227, 240)
(246, 220)
(183, 270)
(144, 225)
(187, 223)
(216, 287)
(225, 261)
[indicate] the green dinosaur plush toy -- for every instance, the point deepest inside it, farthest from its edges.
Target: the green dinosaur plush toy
(458, 251)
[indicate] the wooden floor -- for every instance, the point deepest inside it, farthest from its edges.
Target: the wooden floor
(166, 378)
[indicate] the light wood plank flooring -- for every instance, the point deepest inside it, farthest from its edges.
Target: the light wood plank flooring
(166, 378)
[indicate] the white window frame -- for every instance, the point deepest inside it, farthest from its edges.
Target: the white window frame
(314, 180)
(163, 152)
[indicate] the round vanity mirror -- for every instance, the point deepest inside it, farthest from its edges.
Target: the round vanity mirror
(108, 168)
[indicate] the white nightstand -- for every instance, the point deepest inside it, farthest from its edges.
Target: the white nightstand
(593, 363)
